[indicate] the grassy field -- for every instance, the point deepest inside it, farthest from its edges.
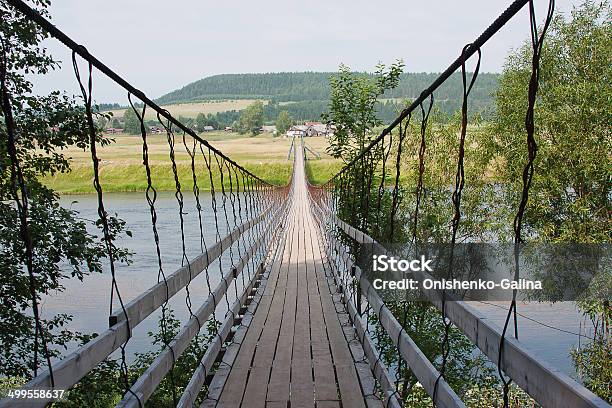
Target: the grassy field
(320, 171)
(121, 167)
(191, 110)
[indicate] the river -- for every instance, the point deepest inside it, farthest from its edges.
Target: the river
(88, 301)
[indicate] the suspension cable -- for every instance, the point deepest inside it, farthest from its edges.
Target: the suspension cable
(506, 16)
(84, 53)
(536, 42)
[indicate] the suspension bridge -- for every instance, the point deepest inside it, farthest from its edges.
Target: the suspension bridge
(299, 316)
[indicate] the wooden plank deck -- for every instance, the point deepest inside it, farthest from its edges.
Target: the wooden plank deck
(295, 352)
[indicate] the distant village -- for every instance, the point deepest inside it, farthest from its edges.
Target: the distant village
(308, 129)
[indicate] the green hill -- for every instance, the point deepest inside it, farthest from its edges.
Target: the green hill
(305, 94)
(311, 86)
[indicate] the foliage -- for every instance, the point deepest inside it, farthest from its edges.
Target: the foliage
(209, 120)
(131, 123)
(200, 122)
(109, 106)
(352, 109)
(62, 247)
(314, 87)
(571, 189)
(102, 387)
(593, 360)
(225, 119)
(283, 122)
(251, 119)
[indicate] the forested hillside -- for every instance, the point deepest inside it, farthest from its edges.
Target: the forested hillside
(310, 91)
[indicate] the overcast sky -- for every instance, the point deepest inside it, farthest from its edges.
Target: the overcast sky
(159, 46)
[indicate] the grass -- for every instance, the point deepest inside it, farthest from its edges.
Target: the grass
(320, 171)
(121, 167)
(191, 109)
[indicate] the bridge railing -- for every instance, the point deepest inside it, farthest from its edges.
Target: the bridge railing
(245, 213)
(546, 384)
(364, 204)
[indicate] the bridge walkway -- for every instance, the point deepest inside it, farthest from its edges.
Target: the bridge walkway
(298, 349)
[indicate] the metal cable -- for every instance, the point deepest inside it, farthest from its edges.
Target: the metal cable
(52, 30)
(456, 199)
(499, 22)
(536, 42)
(151, 196)
(394, 200)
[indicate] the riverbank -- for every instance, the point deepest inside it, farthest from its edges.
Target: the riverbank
(121, 168)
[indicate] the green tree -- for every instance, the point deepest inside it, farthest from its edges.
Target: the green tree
(131, 123)
(189, 122)
(571, 189)
(116, 124)
(211, 120)
(40, 127)
(352, 107)
(251, 119)
(200, 122)
(283, 122)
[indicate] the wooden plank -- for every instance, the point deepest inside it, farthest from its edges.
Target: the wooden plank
(218, 382)
(328, 404)
(238, 356)
(275, 346)
(256, 388)
(324, 375)
(302, 386)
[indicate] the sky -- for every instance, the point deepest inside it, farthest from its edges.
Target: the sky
(160, 45)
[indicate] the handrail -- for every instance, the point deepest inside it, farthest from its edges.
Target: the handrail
(76, 365)
(378, 367)
(546, 384)
(420, 365)
(144, 387)
(143, 305)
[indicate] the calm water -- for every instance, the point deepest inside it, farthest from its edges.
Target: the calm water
(88, 301)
